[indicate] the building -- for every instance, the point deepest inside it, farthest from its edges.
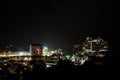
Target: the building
(36, 49)
(95, 45)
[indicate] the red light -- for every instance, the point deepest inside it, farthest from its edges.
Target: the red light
(38, 51)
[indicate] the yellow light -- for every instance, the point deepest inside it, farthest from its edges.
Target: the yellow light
(100, 55)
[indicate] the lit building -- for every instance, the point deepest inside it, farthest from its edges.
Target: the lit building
(36, 49)
(95, 45)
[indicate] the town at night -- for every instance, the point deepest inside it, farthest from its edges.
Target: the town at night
(55, 40)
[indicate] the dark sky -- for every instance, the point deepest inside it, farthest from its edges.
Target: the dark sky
(57, 23)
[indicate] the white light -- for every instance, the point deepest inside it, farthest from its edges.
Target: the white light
(20, 53)
(52, 52)
(45, 48)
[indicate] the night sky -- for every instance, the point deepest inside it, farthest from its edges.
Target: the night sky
(57, 24)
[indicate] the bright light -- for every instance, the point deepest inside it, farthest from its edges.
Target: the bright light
(67, 56)
(52, 52)
(45, 48)
(21, 53)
